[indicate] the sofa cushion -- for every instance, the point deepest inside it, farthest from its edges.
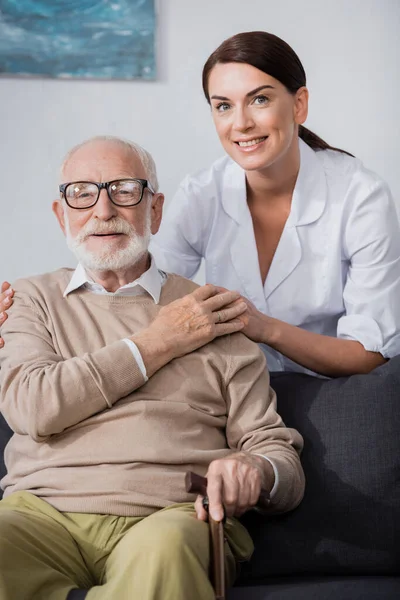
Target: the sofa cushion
(349, 520)
(326, 588)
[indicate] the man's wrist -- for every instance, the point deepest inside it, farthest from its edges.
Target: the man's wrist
(154, 351)
(268, 473)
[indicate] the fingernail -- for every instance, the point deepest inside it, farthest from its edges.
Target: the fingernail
(9, 291)
(2, 316)
(217, 514)
(7, 300)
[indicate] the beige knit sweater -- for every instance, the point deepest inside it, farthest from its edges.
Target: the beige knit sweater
(92, 436)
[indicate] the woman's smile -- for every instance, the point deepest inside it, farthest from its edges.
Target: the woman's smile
(252, 144)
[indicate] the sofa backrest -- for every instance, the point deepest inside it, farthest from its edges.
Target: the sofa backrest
(349, 519)
(5, 435)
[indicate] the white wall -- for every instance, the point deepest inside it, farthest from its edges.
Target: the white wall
(349, 48)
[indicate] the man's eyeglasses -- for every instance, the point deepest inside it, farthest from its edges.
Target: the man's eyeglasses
(122, 192)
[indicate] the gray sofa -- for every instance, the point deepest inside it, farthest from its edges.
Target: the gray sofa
(343, 541)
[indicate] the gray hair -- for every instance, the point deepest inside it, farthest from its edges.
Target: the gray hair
(144, 156)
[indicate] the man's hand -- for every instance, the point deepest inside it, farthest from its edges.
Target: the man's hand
(234, 484)
(5, 302)
(188, 324)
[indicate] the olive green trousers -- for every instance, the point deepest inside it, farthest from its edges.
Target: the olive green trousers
(44, 553)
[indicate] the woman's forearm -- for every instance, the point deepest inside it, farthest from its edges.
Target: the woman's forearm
(323, 354)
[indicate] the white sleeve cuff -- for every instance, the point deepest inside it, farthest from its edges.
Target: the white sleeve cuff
(363, 329)
(275, 488)
(138, 357)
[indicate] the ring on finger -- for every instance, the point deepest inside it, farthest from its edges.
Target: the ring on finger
(219, 317)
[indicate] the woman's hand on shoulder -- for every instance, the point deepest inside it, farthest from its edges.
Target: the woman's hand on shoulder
(6, 295)
(258, 327)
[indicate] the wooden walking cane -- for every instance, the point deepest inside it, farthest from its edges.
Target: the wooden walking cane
(196, 484)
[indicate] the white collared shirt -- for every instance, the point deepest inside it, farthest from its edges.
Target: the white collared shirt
(336, 269)
(151, 281)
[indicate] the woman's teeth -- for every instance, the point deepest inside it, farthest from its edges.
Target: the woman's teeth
(252, 142)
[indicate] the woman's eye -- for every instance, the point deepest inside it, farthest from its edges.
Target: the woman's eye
(261, 100)
(222, 107)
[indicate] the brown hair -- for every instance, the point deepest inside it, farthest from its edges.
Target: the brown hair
(273, 56)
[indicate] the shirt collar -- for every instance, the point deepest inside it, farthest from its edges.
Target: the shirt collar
(151, 281)
(309, 194)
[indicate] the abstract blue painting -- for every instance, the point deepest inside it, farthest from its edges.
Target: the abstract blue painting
(94, 39)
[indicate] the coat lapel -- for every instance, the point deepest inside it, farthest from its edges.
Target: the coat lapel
(308, 204)
(287, 257)
(243, 250)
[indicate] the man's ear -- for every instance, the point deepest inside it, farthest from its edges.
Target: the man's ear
(58, 210)
(301, 105)
(157, 203)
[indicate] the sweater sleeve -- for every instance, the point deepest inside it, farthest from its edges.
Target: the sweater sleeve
(255, 426)
(42, 394)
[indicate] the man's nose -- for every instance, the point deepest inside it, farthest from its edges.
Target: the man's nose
(104, 208)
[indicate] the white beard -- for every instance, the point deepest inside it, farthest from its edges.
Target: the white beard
(108, 259)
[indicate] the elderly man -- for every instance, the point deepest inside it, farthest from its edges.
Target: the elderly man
(116, 379)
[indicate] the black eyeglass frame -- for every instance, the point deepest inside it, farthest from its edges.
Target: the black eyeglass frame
(106, 186)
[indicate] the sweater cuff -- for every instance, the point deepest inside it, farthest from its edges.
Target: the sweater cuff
(115, 371)
(276, 482)
(137, 356)
(291, 484)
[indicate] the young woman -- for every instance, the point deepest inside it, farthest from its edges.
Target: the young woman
(304, 231)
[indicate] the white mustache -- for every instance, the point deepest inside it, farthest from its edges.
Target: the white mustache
(116, 225)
